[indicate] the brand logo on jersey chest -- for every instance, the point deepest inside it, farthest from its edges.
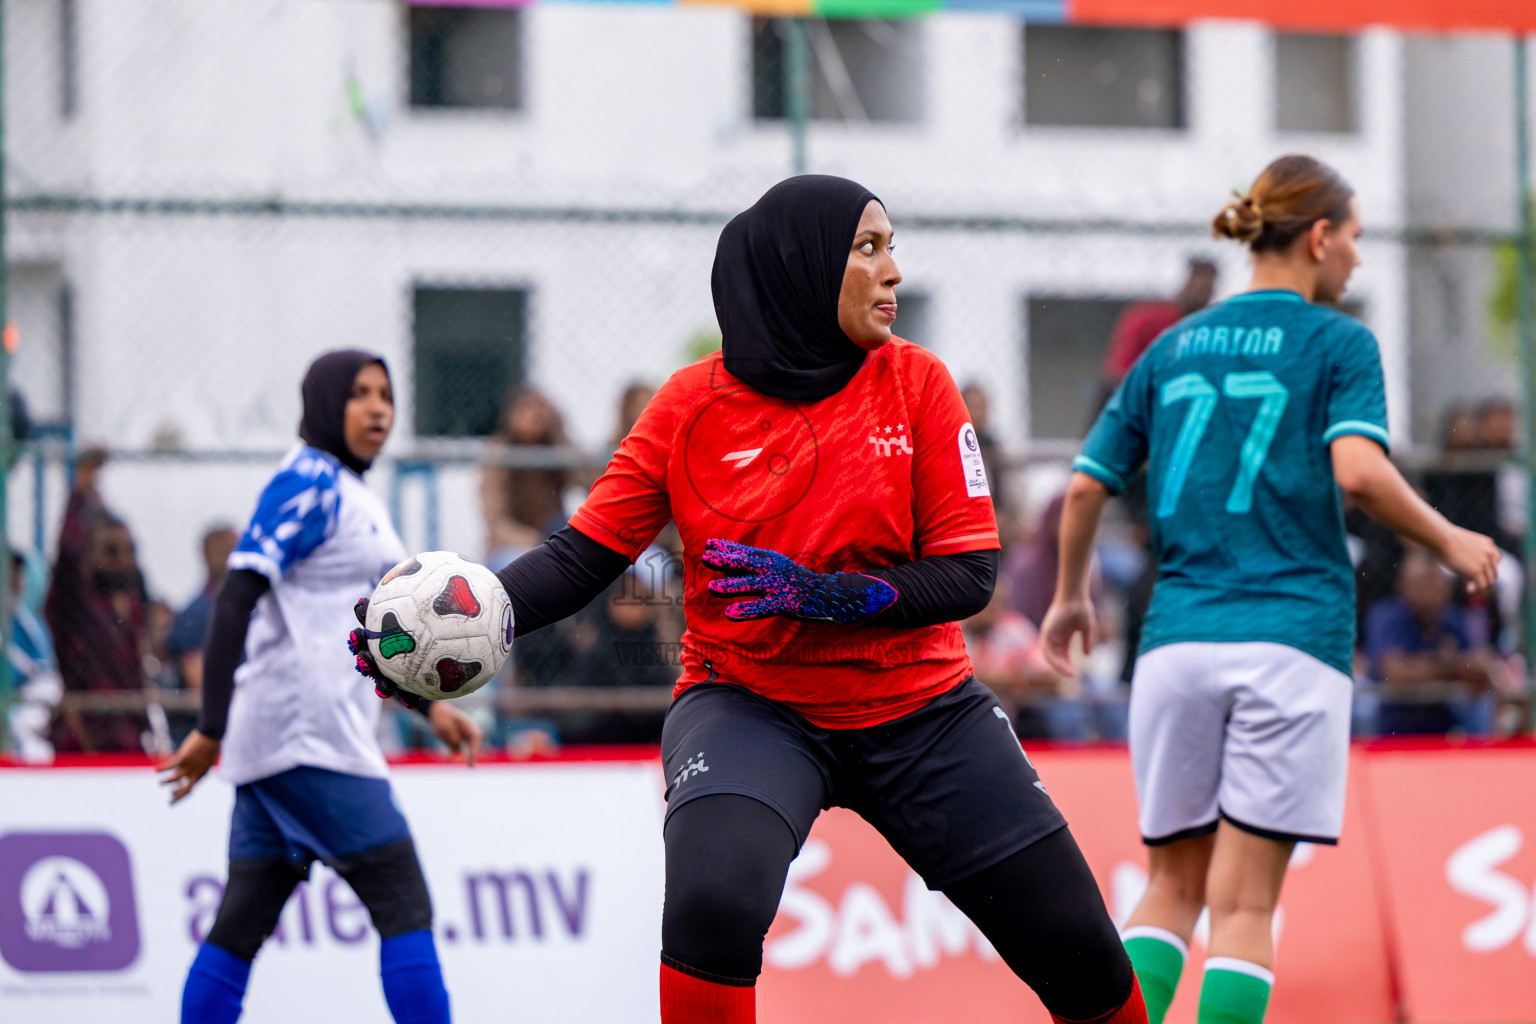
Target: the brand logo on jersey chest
(889, 441)
(742, 458)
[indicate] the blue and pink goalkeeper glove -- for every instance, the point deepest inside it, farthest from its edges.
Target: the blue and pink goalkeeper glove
(357, 643)
(789, 589)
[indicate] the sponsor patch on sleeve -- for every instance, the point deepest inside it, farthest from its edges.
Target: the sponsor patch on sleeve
(971, 464)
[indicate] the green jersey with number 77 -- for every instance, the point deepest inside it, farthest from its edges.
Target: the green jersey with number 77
(1232, 411)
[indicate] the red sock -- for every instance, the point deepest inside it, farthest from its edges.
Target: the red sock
(1132, 1011)
(689, 999)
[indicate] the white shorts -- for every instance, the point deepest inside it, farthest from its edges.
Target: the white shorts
(1257, 733)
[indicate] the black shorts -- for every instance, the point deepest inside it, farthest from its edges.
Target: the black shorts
(948, 785)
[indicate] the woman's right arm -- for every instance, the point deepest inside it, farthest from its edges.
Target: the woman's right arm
(1071, 611)
(559, 578)
(625, 510)
(1364, 473)
(224, 648)
(628, 507)
(1114, 451)
(555, 580)
(223, 651)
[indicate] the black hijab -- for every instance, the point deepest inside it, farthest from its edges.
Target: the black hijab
(327, 388)
(778, 271)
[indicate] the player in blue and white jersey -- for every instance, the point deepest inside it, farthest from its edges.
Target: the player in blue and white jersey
(294, 727)
(1250, 417)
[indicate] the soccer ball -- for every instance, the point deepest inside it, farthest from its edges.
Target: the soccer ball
(440, 625)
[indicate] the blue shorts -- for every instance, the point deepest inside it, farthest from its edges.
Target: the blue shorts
(307, 814)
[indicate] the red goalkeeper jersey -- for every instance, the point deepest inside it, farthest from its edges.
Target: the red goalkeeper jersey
(883, 472)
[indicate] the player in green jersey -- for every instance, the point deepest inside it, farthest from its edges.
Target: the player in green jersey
(1250, 417)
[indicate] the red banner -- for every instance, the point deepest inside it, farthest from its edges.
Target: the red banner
(860, 938)
(1330, 955)
(1457, 846)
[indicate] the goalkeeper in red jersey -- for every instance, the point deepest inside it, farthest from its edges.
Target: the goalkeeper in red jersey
(836, 523)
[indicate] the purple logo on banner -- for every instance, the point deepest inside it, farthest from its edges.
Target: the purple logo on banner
(66, 902)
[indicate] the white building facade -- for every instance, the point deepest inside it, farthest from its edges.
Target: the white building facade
(208, 195)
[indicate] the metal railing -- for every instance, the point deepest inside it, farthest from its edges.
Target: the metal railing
(512, 701)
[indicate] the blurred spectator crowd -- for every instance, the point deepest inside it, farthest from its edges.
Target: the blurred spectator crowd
(1431, 658)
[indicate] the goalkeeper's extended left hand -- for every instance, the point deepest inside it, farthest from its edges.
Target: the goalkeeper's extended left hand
(790, 589)
(357, 643)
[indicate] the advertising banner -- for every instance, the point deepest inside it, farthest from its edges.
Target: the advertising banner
(1330, 955)
(859, 937)
(547, 885)
(546, 881)
(1458, 847)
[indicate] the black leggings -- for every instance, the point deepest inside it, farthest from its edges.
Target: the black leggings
(387, 879)
(728, 856)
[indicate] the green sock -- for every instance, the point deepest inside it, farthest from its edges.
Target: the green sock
(1158, 957)
(1235, 992)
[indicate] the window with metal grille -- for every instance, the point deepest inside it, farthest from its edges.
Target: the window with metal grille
(858, 70)
(1315, 83)
(468, 57)
(1103, 77)
(1067, 341)
(468, 353)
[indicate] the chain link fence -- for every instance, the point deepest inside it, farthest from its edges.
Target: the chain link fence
(518, 207)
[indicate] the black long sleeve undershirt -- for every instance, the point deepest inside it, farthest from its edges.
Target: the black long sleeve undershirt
(558, 578)
(224, 648)
(561, 576)
(939, 588)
